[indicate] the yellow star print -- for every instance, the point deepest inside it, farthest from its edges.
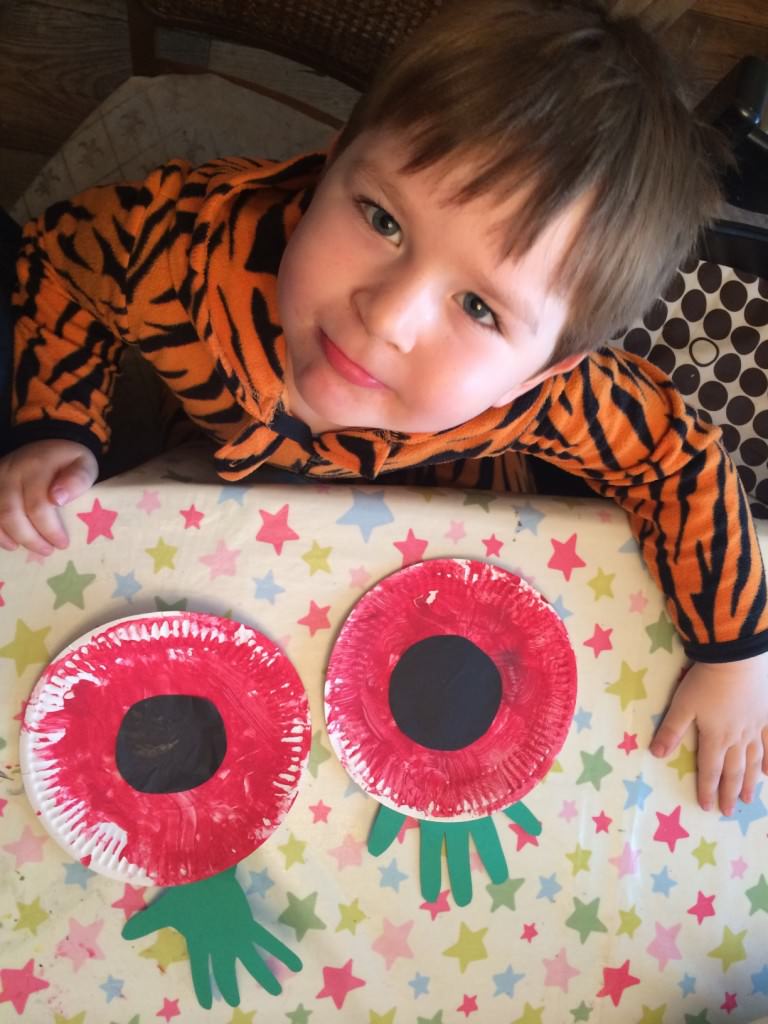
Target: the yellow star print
(31, 916)
(238, 1017)
(602, 584)
(168, 948)
(629, 686)
(731, 949)
(579, 859)
(630, 922)
(468, 947)
(705, 853)
(381, 1018)
(653, 1016)
(293, 850)
(351, 916)
(684, 762)
(317, 558)
(27, 647)
(530, 1015)
(78, 1019)
(163, 555)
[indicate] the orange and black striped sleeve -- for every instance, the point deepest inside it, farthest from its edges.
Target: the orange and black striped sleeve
(620, 424)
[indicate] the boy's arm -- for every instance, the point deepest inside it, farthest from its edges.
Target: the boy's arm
(619, 422)
(71, 297)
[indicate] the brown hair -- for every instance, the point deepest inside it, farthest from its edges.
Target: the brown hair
(561, 99)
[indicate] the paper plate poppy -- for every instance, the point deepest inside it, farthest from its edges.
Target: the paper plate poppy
(450, 689)
(162, 749)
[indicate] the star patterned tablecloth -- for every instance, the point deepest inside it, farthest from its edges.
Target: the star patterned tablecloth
(633, 905)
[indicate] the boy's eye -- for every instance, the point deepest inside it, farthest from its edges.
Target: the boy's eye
(474, 307)
(383, 223)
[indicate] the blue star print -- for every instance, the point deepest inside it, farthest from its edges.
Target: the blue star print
(506, 981)
(368, 511)
(391, 876)
(127, 585)
(266, 588)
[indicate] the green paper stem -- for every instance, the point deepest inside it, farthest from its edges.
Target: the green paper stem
(455, 835)
(216, 921)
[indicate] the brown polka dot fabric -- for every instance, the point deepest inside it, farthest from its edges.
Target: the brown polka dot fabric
(709, 333)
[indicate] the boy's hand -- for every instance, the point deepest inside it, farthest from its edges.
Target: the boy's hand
(34, 481)
(729, 704)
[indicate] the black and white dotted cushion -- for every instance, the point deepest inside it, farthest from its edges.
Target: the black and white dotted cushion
(709, 333)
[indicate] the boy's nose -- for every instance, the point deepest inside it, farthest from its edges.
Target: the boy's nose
(397, 309)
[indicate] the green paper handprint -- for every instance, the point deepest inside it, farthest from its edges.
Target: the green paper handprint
(216, 921)
(456, 835)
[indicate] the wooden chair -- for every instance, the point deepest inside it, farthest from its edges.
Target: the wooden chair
(346, 39)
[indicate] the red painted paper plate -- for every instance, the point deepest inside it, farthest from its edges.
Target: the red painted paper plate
(162, 749)
(450, 689)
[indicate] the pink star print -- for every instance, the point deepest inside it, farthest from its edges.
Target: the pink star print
(2, 602)
(393, 942)
(493, 546)
(664, 945)
(358, 577)
(637, 602)
(27, 849)
(170, 1009)
(192, 517)
(2, 806)
(600, 640)
(320, 812)
(559, 971)
(529, 932)
(222, 561)
(523, 838)
(132, 900)
(99, 522)
(703, 907)
(316, 618)
(455, 531)
(568, 812)
(149, 502)
(438, 906)
(670, 830)
(615, 981)
(738, 867)
(730, 1002)
(275, 529)
(339, 982)
(18, 985)
(565, 558)
(412, 548)
(602, 821)
(626, 862)
(408, 824)
(629, 743)
(349, 854)
(81, 945)
(468, 1005)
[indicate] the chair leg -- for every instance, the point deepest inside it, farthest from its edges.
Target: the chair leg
(141, 30)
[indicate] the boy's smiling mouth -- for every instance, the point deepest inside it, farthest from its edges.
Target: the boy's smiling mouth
(345, 367)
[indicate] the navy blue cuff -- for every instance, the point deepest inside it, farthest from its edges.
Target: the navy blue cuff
(48, 429)
(730, 650)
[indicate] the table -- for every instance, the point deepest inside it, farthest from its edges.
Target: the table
(633, 905)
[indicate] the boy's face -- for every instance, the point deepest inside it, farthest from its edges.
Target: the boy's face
(400, 311)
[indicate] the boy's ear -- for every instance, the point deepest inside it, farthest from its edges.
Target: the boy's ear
(566, 364)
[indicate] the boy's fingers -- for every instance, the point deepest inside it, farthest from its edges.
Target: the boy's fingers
(43, 516)
(710, 758)
(732, 778)
(5, 541)
(17, 526)
(751, 771)
(672, 729)
(73, 480)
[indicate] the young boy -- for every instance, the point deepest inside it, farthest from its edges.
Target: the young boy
(521, 181)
